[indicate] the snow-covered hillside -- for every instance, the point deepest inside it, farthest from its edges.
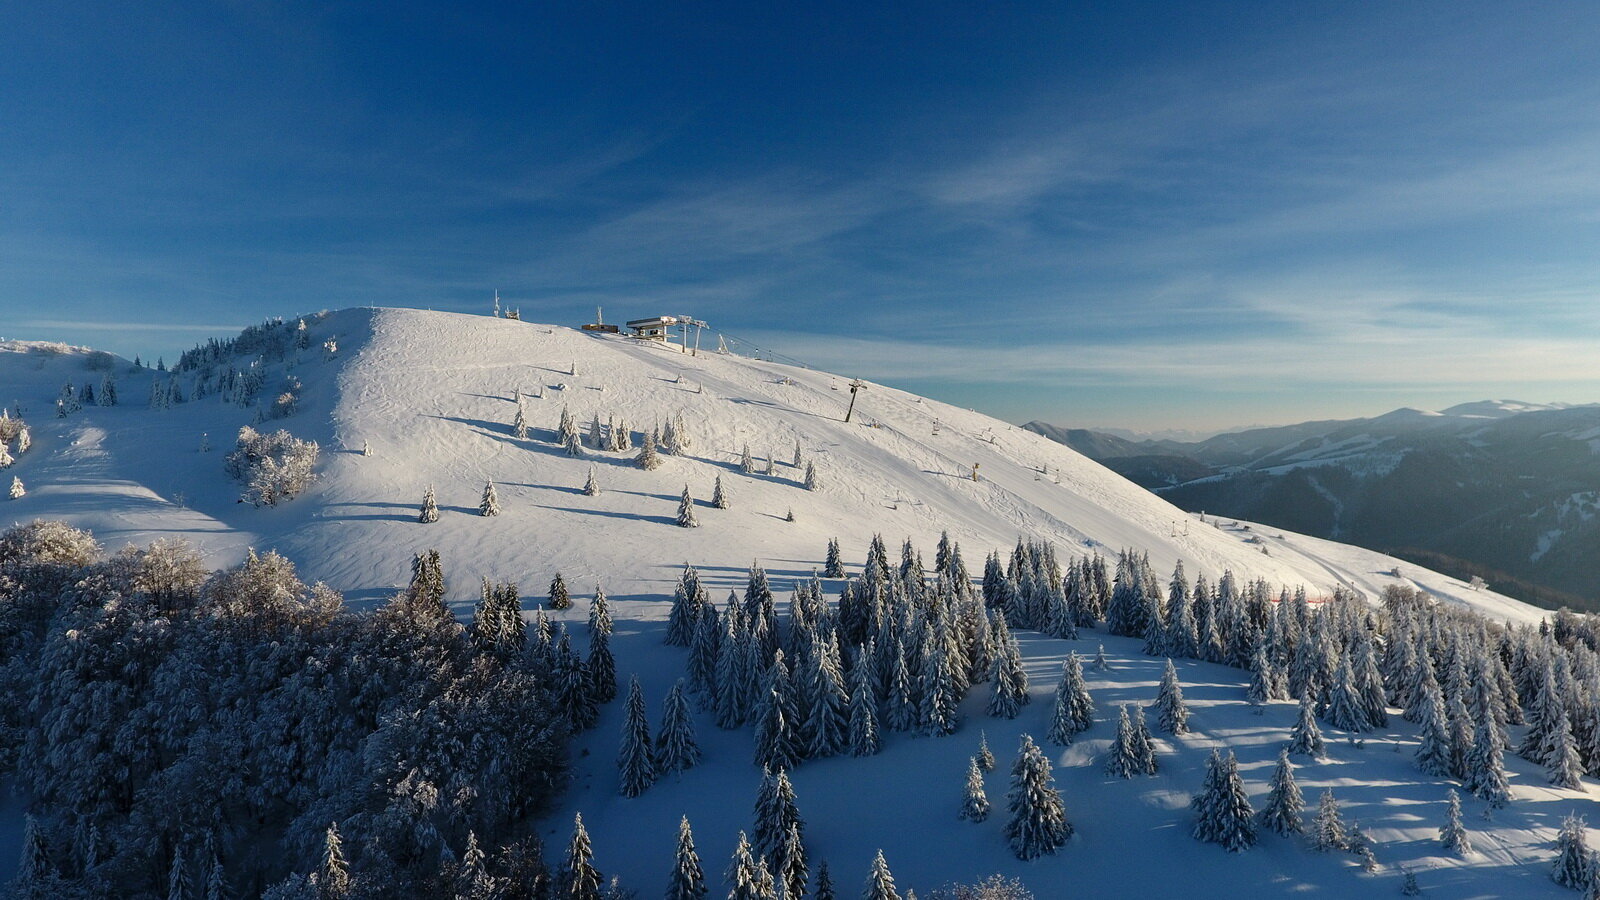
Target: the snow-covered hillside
(432, 395)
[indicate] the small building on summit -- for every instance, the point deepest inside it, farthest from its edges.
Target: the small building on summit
(653, 329)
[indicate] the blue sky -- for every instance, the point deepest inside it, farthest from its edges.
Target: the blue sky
(1150, 215)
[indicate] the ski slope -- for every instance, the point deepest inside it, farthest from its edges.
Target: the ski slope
(432, 393)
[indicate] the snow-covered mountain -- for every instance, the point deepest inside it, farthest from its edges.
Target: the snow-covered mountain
(431, 395)
(1499, 487)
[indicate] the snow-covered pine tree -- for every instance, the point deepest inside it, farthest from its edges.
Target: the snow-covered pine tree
(648, 459)
(776, 814)
(333, 873)
(366, 446)
(864, 739)
(1172, 716)
(573, 446)
(1100, 664)
(559, 598)
(974, 803)
(775, 741)
(519, 425)
(591, 488)
(490, 504)
(1225, 816)
(796, 460)
(985, 756)
(1037, 823)
(1565, 767)
(719, 495)
(596, 436)
(602, 667)
(1259, 690)
(1572, 867)
(686, 517)
(790, 868)
(688, 880)
(1306, 738)
(811, 482)
(568, 429)
(748, 876)
(669, 438)
(747, 463)
(1143, 746)
(430, 507)
(824, 888)
(18, 491)
(636, 768)
(1008, 681)
(880, 881)
(833, 567)
(1345, 710)
(1122, 758)
(579, 879)
(1453, 833)
(1327, 827)
(1284, 812)
(676, 747)
(1433, 752)
(1486, 770)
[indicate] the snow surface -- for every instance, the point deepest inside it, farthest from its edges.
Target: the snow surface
(432, 391)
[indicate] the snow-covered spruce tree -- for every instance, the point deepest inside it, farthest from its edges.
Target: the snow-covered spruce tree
(178, 884)
(1037, 822)
(880, 881)
(591, 488)
(824, 884)
(559, 598)
(1564, 767)
(333, 874)
(1225, 816)
(596, 436)
(1284, 812)
(864, 739)
(1122, 759)
(776, 813)
(648, 459)
(833, 567)
(579, 879)
(1100, 663)
(1327, 827)
(573, 446)
(1172, 716)
(1306, 738)
(1433, 751)
(1486, 770)
(1008, 681)
(676, 747)
(985, 757)
(811, 482)
(686, 517)
(1345, 710)
(974, 803)
(602, 667)
(775, 742)
(747, 463)
(796, 459)
(748, 876)
(430, 507)
(688, 880)
(1453, 834)
(636, 767)
(490, 504)
(719, 495)
(519, 425)
(1259, 690)
(17, 489)
(568, 428)
(1144, 747)
(1572, 867)
(1074, 708)
(790, 867)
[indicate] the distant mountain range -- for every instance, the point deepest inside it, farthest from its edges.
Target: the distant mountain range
(1499, 488)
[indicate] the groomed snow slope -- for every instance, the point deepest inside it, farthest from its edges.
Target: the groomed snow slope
(431, 392)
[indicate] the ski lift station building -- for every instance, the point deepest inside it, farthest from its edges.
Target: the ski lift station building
(654, 328)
